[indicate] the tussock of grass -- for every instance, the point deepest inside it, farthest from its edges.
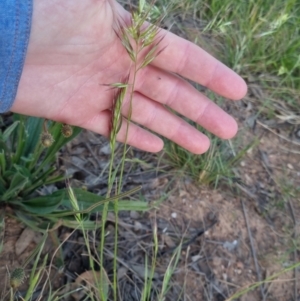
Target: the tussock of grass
(213, 167)
(258, 39)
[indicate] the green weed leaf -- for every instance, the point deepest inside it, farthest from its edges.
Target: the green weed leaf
(41, 205)
(2, 161)
(7, 133)
(18, 182)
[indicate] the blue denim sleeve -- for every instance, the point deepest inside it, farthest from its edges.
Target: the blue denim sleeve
(15, 24)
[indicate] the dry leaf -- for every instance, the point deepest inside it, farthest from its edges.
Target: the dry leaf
(24, 241)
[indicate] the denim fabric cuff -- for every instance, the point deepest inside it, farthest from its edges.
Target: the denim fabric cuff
(15, 24)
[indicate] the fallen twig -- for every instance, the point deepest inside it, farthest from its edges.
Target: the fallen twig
(189, 242)
(279, 135)
(253, 252)
(295, 249)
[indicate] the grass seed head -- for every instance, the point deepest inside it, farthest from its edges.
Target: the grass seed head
(66, 130)
(46, 139)
(16, 277)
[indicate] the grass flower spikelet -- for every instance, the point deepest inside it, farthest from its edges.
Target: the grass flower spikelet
(16, 277)
(66, 130)
(46, 139)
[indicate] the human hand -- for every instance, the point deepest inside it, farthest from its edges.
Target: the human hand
(73, 52)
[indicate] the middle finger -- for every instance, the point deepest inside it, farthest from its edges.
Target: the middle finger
(173, 91)
(160, 120)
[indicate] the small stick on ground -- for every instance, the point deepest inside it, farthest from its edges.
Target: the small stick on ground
(253, 251)
(279, 135)
(295, 249)
(190, 241)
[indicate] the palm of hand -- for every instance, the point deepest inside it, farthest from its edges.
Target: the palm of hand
(73, 52)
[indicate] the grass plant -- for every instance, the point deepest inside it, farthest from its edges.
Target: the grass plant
(142, 45)
(215, 166)
(258, 39)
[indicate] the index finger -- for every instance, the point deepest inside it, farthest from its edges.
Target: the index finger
(191, 61)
